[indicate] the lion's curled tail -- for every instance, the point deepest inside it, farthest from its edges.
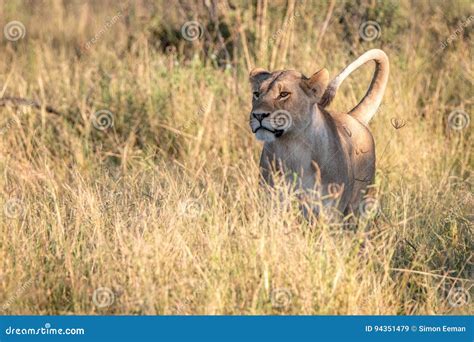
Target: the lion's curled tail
(365, 110)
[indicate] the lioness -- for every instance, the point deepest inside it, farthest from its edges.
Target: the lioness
(315, 150)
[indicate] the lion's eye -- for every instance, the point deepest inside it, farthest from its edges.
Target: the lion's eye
(256, 94)
(284, 94)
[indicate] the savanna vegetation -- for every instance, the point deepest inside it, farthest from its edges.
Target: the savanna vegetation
(138, 191)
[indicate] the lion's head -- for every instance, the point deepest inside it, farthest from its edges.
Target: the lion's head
(282, 101)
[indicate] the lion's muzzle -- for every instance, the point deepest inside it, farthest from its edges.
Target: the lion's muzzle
(267, 126)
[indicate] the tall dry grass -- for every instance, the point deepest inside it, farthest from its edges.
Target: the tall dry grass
(162, 213)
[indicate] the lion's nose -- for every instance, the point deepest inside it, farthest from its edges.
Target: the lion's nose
(260, 116)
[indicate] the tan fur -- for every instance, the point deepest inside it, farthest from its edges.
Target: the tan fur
(319, 148)
(367, 107)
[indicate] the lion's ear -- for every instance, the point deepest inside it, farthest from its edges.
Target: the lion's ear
(318, 82)
(257, 73)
